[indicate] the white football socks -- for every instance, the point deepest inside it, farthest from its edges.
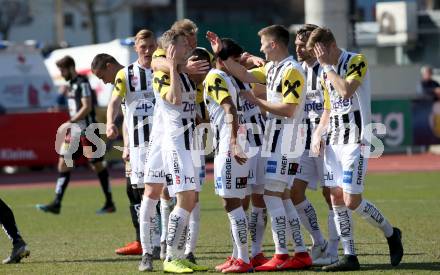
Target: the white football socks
(147, 217)
(279, 223)
(373, 216)
(239, 226)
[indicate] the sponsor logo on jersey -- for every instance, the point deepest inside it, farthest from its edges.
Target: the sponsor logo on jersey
(188, 106)
(240, 183)
(218, 183)
(313, 106)
(139, 175)
(360, 170)
(190, 180)
(156, 173)
(341, 103)
(283, 165)
(329, 176)
(293, 168)
(310, 95)
(177, 179)
(247, 106)
(146, 106)
(347, 177)
(176, 167)
(228, 172)
(169, 179)
(271, 166)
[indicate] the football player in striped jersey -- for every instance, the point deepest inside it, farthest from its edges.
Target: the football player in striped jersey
(310, 171)
(346, 84)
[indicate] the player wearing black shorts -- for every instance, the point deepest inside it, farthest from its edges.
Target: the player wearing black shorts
(80, 101)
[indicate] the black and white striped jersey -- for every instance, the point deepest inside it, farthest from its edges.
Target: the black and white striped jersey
(252, 117)
(349, 117)
(134, 84)
(79, 88)
(284, 84)
(177, 121)
(314, 102)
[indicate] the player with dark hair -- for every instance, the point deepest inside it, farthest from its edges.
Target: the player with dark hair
(81, 100)
(310, 171)
(284, 81)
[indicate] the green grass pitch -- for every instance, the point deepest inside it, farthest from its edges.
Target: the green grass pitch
(79, 242)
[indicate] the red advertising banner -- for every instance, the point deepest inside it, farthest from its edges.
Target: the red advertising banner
(29, 139)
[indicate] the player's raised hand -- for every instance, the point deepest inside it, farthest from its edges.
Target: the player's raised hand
(171, 55)
(249, 60)
(215, 41)
(197, 66)
(322, 54)
(111, 131)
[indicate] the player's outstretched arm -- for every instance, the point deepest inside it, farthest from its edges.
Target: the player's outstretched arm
(250, 61)
(279, 109)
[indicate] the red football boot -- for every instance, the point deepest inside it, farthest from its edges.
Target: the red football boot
(229, 261)
(133, 248)
(258, 260)
(301, 260)
(239, 266)
(276, 263)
